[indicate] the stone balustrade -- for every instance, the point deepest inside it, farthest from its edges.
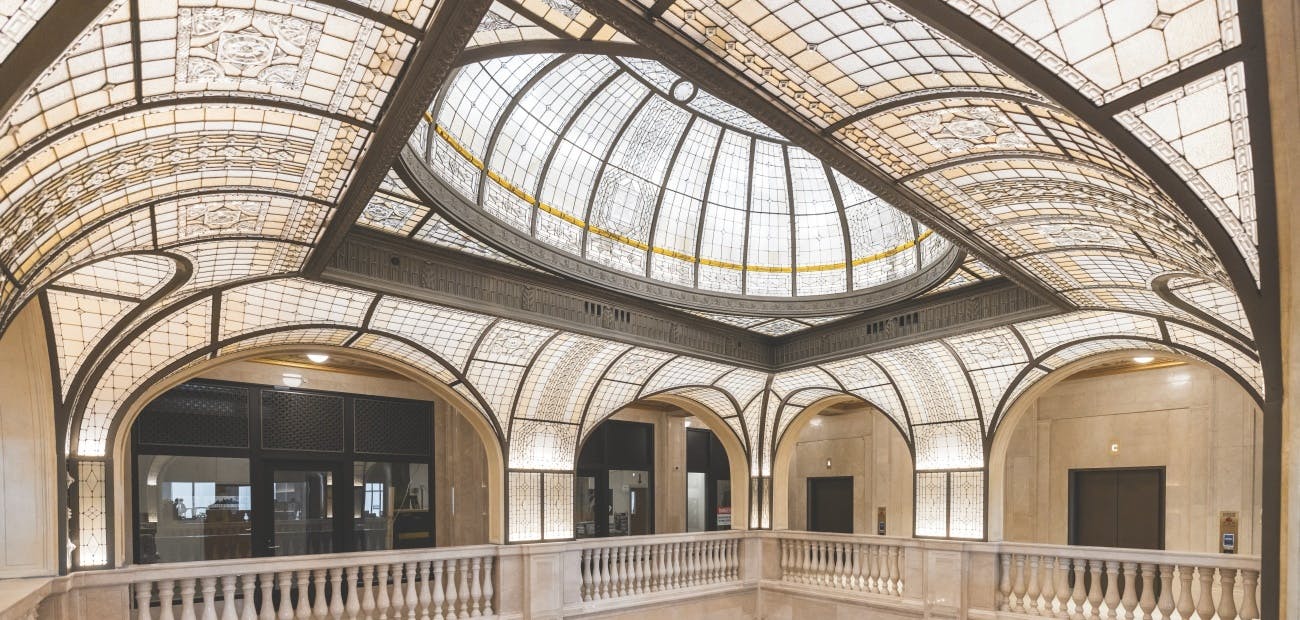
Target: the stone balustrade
(1093, 582)
(768, 573)
(614, 567)
(872, 564)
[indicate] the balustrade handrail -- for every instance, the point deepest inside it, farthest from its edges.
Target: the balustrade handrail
(896, 541)
(218, 568)
(1219, 560)
(651, 539)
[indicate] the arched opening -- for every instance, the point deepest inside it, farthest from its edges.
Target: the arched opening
(450, 495)
(694, 478)
(1130, 448)
(843, 451)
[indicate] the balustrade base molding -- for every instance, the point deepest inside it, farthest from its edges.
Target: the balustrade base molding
(722, 575)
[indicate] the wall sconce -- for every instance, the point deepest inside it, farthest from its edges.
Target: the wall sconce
(318, 358)
(293, 379)
(828, 463)
(1114, 447)
(817, 421)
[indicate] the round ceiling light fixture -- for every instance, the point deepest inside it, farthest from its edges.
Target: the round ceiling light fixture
(292, 379)
(1143, 359)
(318, 358)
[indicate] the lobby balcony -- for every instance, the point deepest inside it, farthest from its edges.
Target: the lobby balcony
(737, 574)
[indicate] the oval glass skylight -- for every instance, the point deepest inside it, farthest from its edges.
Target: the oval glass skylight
(625, 164)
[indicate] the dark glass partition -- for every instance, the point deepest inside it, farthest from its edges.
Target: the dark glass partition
(227, 470)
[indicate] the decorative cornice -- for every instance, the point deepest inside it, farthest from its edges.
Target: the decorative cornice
(411, 269)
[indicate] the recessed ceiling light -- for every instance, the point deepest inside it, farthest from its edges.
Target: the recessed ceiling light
(318, 358)
(292, 379)
(816, 421)
(1144, 359)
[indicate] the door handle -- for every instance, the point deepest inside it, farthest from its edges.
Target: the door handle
(273, 546)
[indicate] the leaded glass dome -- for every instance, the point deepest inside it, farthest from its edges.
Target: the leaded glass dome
(625, 164)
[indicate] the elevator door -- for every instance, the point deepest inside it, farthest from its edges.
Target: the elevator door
(830, 504)
(1118, 508)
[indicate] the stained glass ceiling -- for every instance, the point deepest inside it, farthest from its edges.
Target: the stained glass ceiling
(628, 165)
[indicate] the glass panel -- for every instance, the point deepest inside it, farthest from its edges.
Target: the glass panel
(629, 502)
(193, 508)
(584, 507)
(304, 511)
(724, 504)
(391, 506)
(697, 500)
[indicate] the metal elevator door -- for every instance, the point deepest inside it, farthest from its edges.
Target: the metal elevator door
(1118, 508)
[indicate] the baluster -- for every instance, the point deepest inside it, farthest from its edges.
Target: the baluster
(412, 592)
(249, 586)
(336, 597)
(1018, 587)
(692, 577)
(801, 561)
(187, 600)
(453, 594)
(1249, 604)
(1147, 602)
(843, 565)
(438, 596)
(489, 587)
(1185, 605)
(382, 600)
(1004, 583)
(475, 590)
(166, 597)
(1227, 601)
(368, 592)
(824, 563)
(618, 572)
(1094, 591)
(1048, 566)
(424, 595)
(209, 588)
(855, 578)
(586, 574)
(398, 600)
(1166, 602)
(1078, 595)
(353, 604)
(143, 598)
(729, 548)
(1205, 602)
(463, 590)
(784, 562)
(896, 571)
(652, 568)
(266, 581)
(1033, 589)
(603, 580)
(1129, 601)
(665, 565)
(303, 610)
(1112, 589)
(228, 598)
(413, 605)
(714, 562)
(638, 569)
(1063, 587)
(320, 608)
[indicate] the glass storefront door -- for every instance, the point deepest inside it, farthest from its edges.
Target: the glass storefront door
(303, 518)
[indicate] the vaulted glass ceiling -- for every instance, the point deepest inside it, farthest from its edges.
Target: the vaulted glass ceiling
(626, 164)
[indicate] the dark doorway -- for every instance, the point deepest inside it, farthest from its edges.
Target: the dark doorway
(1118, 508)
(614, 488)
(830, 504)
(708, 482)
